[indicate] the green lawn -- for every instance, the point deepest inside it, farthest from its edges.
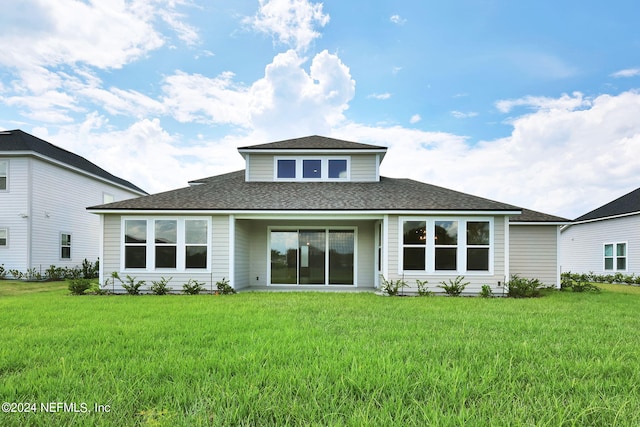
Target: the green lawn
(320, 358)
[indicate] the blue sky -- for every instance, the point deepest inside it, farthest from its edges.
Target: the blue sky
(535, 103)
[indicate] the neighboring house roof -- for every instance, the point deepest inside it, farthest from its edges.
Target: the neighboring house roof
(231, 192)
(625, 205)
(313, 142)
(529, 216)
(19, 141)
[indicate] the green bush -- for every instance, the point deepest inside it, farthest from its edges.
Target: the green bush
(79, 286)
(486, 292)
(160, 287)
(392, 287)
(423, 291)
(192, 287)
(224, 288)
(453, 287)
(520, 287)
(131, 285)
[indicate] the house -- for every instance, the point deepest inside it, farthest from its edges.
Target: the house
(314, 213)
(44, 192)
(605, 240)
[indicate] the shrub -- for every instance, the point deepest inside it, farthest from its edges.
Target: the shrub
(3, 272)
(453, 287)
(54, 273)
(392, 287)
(520, 287)
(16, 274)
(160, 287)
(584, 287)
(192, 287)
(130, 285)
(423, 291)
(486, 292)
(90, 269)
(79, 286)
(224, 288)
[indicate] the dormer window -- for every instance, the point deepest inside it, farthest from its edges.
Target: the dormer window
(312, 168)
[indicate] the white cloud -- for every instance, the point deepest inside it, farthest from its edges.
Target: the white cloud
(564, 103)
(415, 119)
(396, 19)
(629, 72)
(461, 115)
(291, 101)
(291, 22)
(381, 96)
(41, 32)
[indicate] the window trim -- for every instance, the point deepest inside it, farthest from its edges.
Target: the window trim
(6, 176)
(181, 245)
(461, 247)
(615, 256)
(6, 237)
(61, 246)
(299, 168)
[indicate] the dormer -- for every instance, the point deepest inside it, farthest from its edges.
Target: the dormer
(313, 158)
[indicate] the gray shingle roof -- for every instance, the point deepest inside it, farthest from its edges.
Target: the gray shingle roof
(627, 204)
(17, 140)
(535, 216)
(231, 192)
(314, 142)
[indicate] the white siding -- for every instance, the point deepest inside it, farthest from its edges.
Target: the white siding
(582, 244)
(533, 252)
(363, 167)
(476, 280)
(59, 201)
(241, 267)
(260, 167)
(14, 203)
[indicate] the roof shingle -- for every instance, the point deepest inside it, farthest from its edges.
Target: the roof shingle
(627, 204)
(314, 142)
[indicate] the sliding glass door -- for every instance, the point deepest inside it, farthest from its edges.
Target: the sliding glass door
(312, 257)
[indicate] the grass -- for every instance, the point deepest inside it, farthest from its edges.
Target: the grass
(321, 358)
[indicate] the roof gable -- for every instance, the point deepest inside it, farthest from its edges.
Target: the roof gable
(17, 141)
(627, 204)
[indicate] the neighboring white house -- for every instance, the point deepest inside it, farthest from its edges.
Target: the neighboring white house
(44, 192)
(605, 240)
(314, 213)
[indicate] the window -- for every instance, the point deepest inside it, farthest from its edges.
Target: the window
(196, 243)
(615, 256)
(414, 243)
(166, 243)
(4, 237)
(4, 174)
(446, 245)
(457, 245)
(478, 246)
(65, 246)
(135, 243)
(317, 168)
(311, 169)
(337, 168)
(286, 168)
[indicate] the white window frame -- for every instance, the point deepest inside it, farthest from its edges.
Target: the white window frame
(461, 247)
(6, 175)
(615, 256)
(324, 168)
(61, 246)
(5, 231)
(150, 245)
